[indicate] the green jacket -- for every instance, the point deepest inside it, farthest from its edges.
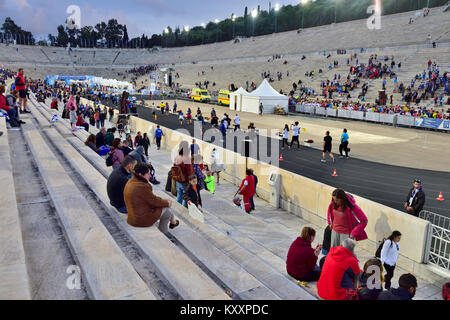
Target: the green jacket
(211, 184)
(109, 138)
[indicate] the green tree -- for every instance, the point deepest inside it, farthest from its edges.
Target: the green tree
(62, 39)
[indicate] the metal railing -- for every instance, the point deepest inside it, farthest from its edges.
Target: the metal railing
(438, 243)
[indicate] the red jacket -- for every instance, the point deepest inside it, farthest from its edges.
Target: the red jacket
(357, 226)
(338, 272)
(249, 190)
(20, 83)
(3, 105)
(300, 259)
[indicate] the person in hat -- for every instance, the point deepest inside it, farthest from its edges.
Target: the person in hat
(415, 201)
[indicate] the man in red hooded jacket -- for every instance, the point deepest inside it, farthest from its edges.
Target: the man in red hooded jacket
(339, 272)
(248, 190)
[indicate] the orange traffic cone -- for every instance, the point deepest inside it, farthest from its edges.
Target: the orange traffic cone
(441, 197)
(335, 173)
(281, 158)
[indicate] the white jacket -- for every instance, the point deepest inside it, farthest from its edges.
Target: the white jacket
(389, 253)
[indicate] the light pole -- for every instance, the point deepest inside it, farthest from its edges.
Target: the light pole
(217, 29)
(303, 2)
(254, 15)
(277, 8)
(186, 29)
(233, 19)
(203, 33)
(166, 32)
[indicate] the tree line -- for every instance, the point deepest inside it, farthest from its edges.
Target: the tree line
(112, 34)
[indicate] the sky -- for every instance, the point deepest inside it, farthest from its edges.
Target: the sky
(42, 17)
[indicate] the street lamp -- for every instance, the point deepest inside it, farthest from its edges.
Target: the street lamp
(254, 16)
(166, 31)
(233, 19)
(277, 8)
(303, 2)
(186, 29)
(217, 29)
(203, 33)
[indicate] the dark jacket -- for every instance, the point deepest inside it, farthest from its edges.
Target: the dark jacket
(126, 151)
(100, 140)
(418, 202)
(115, 186)
(109, 138)
(191, 195)
(139, 155)
(395, 294)
(300, 259)
(364, 292)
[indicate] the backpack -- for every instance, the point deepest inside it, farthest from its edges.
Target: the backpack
(378, 252)
(109, 160)
(177, 174)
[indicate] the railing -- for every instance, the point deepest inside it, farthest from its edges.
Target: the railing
(438, 244)
(315, 109)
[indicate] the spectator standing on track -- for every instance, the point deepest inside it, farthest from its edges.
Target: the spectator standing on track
(415, 201)
(144, 207)
(389, 256)
(345, 219)
(285, 136)
(302, 258)
(158, 136)
(237, 123)
(406, 291)
(327, 146)
(181, 118)
(344, 144)
(117, 182)
(223, 129)
(295, 135)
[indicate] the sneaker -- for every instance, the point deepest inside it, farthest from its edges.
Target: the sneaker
(341, 157)
(334, 160)
(22, 122)
(173, 226)
(347, 158)
(21, 112)
(323, 161)
(1, 133)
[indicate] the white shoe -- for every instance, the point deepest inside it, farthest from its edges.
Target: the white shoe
(323, 161)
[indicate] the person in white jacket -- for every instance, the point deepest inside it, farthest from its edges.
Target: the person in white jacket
(389, 256)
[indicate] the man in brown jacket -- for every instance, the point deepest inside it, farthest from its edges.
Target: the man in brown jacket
(144, 207)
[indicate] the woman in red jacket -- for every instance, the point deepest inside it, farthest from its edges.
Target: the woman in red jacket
(302, 258)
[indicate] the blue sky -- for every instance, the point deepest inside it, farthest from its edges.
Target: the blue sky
(141, 16)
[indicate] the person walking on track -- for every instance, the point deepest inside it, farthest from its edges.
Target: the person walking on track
(327, 145)
(295, 135)
(344, 144)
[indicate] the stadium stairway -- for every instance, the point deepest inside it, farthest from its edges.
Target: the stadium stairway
(243, 284)
(14, 281)
(258, 243)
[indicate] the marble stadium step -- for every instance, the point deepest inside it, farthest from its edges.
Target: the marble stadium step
(278, 286)
(107, 273)
(187, 278)
(14, 280)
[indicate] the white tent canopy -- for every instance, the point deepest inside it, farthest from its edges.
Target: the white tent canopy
(236, 99)
(266, 95)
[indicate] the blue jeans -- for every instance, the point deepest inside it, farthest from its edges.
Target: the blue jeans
(123, 210)
(180, 191)
(252, 204)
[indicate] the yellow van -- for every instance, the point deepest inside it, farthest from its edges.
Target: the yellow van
(201, 95)
(224, 97)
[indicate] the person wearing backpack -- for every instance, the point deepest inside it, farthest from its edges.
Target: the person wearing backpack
(181, 170)
(389, 256)
(345, 218)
